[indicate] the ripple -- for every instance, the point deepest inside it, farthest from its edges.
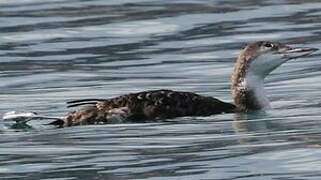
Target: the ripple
(54, 51)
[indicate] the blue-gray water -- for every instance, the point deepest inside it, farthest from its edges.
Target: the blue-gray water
(54, 51)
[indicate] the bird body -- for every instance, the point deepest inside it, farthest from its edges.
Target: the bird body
(144, 106)
(254, 63)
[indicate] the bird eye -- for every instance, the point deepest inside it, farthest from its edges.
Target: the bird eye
(268, 45)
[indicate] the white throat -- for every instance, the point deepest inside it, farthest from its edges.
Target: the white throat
(255, 84)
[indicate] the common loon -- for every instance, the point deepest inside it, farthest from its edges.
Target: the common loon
(254, 63)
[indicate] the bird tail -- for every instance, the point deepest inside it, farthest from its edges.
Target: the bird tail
(57, 122)
(93, 115)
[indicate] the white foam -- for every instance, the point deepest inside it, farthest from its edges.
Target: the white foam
(19, 116)
(23, 117)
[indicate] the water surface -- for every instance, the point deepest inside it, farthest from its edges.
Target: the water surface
(52, 51)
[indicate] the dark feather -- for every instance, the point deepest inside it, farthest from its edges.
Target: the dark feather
(84, 100)
(80, 104)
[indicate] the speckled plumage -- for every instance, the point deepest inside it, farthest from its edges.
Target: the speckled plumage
(144, 106)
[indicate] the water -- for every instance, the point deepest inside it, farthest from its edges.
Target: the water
(55, 51)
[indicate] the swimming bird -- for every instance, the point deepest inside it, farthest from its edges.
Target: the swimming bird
(253, 64)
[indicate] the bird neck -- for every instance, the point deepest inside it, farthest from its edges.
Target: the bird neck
(248, 89)
(250, 95)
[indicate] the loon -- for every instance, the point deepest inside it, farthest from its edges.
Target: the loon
(253, 64)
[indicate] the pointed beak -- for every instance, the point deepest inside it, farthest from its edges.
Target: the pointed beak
(292, 53)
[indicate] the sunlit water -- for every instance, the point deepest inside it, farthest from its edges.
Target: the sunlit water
(54, 51)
